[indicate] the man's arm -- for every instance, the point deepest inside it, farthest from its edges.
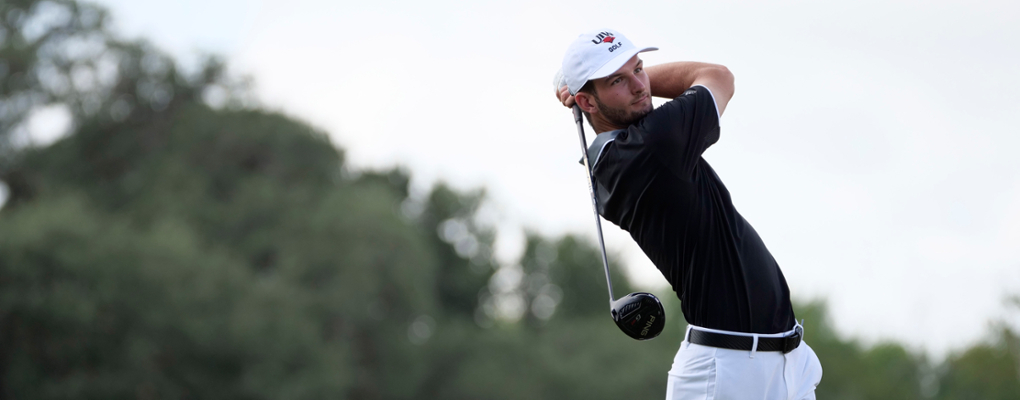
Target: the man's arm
(672, 79)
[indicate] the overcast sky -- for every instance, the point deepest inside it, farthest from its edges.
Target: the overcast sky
(872, 144)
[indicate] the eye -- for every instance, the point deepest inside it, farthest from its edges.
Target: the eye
(638, 70)
(617, 80)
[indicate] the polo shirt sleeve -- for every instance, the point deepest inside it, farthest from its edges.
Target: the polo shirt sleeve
(682, 129)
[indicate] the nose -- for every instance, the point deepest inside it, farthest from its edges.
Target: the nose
(639, 85)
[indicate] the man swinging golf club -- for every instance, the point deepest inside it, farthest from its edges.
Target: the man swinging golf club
(649, 177)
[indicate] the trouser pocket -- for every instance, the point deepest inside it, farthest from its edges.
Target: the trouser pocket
(693, 375)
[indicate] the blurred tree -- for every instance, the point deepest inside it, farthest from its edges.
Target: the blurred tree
(263, 191)
(59, 55)
(93, 306)
(851, 371)
(565, 276)
(49, 53)
(254, 196)
(463, 245)
(989, 370)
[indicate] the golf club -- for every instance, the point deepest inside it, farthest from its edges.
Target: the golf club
(639, 315)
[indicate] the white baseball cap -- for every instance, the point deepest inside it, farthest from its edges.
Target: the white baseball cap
(596, 54)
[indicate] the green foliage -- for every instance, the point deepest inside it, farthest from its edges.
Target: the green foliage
(852, 371)
(987, 371)
(564, 277)
(96, 307)
(463, 246)
(316, 263)
(36, 64)
(61, 54)
(575, 266)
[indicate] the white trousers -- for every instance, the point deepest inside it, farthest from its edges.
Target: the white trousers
(710, 373)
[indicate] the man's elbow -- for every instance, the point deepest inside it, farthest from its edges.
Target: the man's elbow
(724, 75)
(723, 78)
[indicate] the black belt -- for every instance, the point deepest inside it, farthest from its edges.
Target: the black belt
(725, 341)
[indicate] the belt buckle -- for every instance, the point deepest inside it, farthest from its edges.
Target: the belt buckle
(793, 341)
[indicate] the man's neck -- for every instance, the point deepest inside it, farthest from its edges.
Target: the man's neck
(601, 126)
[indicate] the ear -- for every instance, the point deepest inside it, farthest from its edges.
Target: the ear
(587, 102)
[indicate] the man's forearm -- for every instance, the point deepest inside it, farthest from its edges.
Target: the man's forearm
(672, 79)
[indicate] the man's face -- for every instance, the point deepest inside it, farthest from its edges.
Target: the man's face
(624, 97)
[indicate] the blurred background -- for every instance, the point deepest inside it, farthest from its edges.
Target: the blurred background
(311, 199)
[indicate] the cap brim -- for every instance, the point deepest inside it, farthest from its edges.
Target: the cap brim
(618, 62)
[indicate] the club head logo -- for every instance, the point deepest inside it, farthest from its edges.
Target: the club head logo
(651, 319)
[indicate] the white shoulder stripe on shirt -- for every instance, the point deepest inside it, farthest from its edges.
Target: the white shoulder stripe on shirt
(717, 115)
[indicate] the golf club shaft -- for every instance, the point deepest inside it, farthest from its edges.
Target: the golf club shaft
(579, 120)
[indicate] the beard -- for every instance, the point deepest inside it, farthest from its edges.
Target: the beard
(621, 117)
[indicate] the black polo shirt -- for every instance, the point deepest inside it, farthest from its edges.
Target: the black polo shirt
(652, 181)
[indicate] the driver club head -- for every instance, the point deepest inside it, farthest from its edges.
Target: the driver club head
(639, 315)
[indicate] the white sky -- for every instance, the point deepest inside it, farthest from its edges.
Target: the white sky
(872, 144)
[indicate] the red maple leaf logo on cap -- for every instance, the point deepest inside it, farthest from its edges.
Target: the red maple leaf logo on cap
(608, 39)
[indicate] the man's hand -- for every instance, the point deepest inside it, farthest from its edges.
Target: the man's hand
(562, 92)
(563, 95)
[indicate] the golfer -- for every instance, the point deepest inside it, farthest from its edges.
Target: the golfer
(742, 341)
